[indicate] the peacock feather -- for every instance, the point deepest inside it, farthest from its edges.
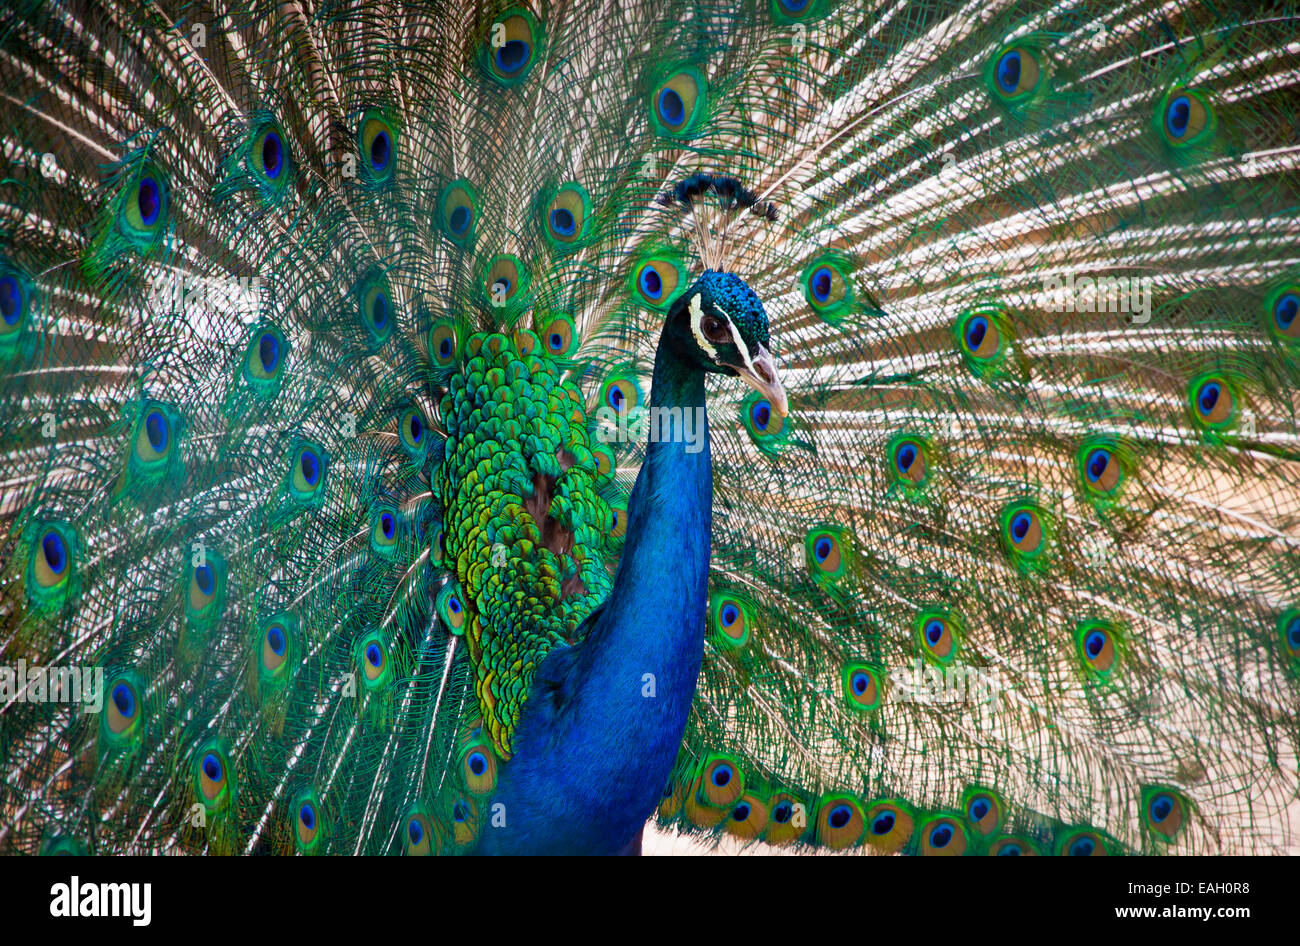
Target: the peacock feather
(376, 476)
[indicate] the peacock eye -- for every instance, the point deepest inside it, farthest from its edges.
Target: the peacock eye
(714, 329)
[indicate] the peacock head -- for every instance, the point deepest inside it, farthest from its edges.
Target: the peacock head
(719, 324)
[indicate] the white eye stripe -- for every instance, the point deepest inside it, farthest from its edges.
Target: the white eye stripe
(697, 317)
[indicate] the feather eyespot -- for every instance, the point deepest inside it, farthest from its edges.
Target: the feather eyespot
(1284, 310)
(374, 661)
(721, 782)
(827, 552)
(840, 823)
(1084, 844)
(828, 287)
(889, 826)
(478, 770)
(1017, 73)
(984, 810)
(418, 838)
(52, 558)
(1026, 532)
(510, 49)
(451, 608)
(1164, 811)
(678, 103)
(307, 470)
(730, 619)
(559, 336)
(122, 713)
(907, 461)
(443, 344)
(939, 635)
(862, 686)
(377, 142)
(213, 779)
(1185, 117)
(15, 297)
(944, 837)
(1214, 401)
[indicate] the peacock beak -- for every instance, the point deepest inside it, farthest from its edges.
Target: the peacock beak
(763, 379)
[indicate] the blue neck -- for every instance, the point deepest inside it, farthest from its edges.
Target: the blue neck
(604, 721)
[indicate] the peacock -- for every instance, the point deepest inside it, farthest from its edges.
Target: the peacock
(496, 426)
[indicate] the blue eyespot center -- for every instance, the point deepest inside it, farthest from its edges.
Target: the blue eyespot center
(149, 200)
(861, 681)
(562, 222)
(416, 427)
(1161, 808)
(512, 56)
(1284, 312)
(453, 604)
(671, 107)
(1008, 71)
(1208, 396)
(940, 836)
(1020, 524)
(1094, 643)
(124, 700)
(783, 812)
(379, 310)
(821, 284)
(212, 767)
(976, 329)
(761, 413)
(415, 831)
(275, 639)
(793, 6)
(722, 776)
(477, 763)
(616, 397)
(381, 149)
(883, 823)
(1098, 461)
(556, 341)
(839, 816)
(205, 579)
(905, 457)
(268, 352)
(1178, 115)
(1293, 634)
(651, 283)
(979, 808)
(374, 655)
(934, 632)
(272, 155)
(459, 220)
(730, 613)
(55, 551)
(741, 812)
(388, 524)
(444, 348)
(1083, 847)
(11, 300)
(460, 811)
(309, 463)
(307, 815)
(822, 548)
(157, 430)
(1010, 850)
